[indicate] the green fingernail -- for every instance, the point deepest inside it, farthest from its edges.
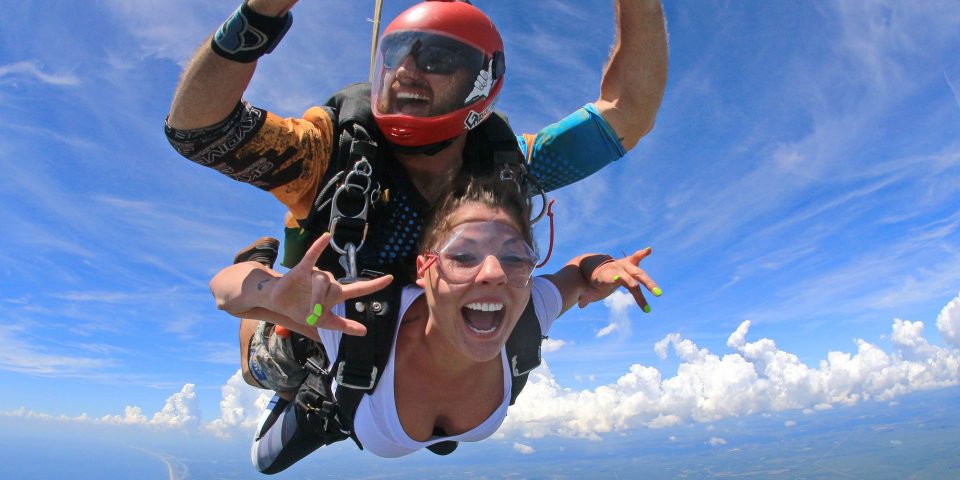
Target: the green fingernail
(616, 277)
(657, 292)
(312, 320)
(318, 309)
(646, 309)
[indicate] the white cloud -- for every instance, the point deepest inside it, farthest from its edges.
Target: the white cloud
(610, 328)
(552, 345)
(790, 424)
(620, 304)
(716, 441)
(756, 378)
(523, 449)
(948, 322)
(131, 416)
(240, 407)
(32, 71)
(664, 421)
(180, 410)
(20, 354)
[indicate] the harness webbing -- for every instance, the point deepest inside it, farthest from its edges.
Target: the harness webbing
(523, 349)
(361, 359)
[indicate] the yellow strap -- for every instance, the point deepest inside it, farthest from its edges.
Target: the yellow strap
(376, 36)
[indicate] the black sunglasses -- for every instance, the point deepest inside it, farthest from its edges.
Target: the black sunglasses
(432, 53)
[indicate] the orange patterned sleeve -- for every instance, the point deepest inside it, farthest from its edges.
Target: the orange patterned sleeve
(313, 137)
(284, 156)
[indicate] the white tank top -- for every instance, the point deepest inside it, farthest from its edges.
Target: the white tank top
(377, 423)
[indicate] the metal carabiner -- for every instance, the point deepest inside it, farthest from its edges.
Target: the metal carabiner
(357, 180)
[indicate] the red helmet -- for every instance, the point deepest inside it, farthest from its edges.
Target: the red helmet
(441, 68)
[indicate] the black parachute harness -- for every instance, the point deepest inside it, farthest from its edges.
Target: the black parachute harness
(353, 192)
(343, 205)
(361, 359)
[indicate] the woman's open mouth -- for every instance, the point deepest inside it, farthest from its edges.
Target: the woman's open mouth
(483, 318)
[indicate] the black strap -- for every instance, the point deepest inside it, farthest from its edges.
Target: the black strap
(523, 349)
(361, 359)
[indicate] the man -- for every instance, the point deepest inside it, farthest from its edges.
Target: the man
(441, 67)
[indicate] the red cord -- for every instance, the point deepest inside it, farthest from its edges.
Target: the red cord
(549, 250)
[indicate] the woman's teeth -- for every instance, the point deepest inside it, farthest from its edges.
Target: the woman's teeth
(485, 307)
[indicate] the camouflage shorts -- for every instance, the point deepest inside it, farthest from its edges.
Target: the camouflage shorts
(273, 361)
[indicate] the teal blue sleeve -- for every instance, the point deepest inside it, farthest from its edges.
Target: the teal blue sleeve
(573, 148)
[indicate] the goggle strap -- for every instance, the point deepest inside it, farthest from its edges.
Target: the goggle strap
(426, 265)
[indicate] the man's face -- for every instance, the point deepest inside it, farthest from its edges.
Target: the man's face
(426, 75)
(410, 91)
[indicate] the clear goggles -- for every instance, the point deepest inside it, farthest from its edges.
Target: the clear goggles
(432, 54)
(469, 246)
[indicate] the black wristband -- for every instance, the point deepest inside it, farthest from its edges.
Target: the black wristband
(248, 35)
(590, 264)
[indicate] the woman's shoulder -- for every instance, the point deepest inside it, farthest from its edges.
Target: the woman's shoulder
(413, 305)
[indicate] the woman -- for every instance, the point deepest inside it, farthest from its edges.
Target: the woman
(448, 378)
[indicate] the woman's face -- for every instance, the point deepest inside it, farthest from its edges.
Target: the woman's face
(479, 284)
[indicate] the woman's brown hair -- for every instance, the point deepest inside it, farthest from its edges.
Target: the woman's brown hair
(490, 191)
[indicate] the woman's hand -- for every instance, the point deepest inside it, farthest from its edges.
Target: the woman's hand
(625, 272)
(306, 290)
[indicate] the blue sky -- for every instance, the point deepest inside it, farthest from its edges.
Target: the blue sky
(801, 177)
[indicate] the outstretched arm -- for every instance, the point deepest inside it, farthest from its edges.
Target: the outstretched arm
(592, 277)
(211, 85)
(636, 74)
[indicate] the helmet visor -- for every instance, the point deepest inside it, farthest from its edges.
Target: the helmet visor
(425, 74)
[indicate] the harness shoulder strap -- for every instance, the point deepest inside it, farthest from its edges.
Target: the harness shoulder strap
(360, 360)
(500, 139)
(523, 349)
(347, 189)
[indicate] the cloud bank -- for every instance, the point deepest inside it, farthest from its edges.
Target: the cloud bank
(755, 377)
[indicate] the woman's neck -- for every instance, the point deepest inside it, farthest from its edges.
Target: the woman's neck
(422, 343)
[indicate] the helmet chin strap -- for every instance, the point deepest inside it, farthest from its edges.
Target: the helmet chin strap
(428, 150)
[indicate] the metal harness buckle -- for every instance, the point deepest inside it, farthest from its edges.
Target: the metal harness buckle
(341, 381)
(516, 369)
